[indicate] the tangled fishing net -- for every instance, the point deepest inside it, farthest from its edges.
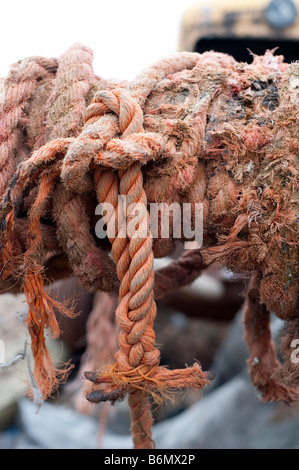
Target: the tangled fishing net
(192, 128)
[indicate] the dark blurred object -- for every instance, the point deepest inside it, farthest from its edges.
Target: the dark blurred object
(73, 330)
(215, 295)
(233, 27)
(195, 304)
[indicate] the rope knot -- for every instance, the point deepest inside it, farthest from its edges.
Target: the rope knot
(120, 102)
(111, 140)
(111, 384)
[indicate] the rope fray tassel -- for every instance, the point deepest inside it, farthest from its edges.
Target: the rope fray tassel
(192, 128)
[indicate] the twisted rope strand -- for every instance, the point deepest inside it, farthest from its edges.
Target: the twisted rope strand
(41, 312)
(19, 89)
(263, 362)
(137, 309)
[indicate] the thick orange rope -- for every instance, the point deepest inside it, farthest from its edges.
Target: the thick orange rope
(138, 359)
(136, 311)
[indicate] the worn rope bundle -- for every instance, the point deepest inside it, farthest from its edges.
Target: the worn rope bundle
(191, 128)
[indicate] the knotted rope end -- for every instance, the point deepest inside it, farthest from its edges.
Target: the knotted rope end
(160, 383)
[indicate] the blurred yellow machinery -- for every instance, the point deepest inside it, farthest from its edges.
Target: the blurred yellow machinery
(234, 26)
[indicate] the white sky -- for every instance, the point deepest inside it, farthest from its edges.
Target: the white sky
(125, 35)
